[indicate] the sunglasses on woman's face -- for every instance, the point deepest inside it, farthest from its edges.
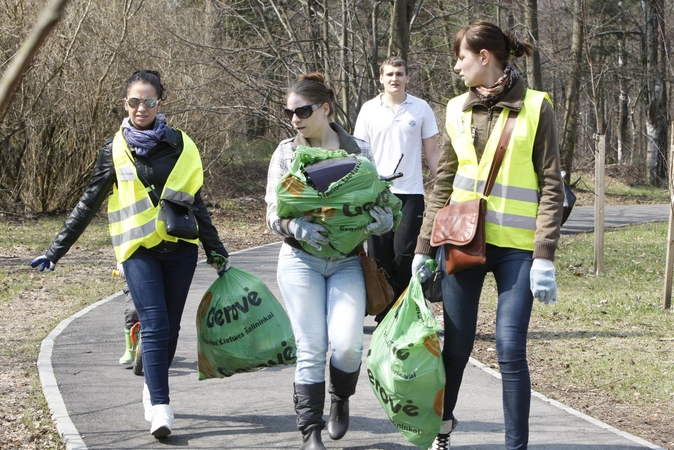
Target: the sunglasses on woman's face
(303, 112)
(134, 102)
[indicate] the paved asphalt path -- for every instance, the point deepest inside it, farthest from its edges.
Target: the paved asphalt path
(96, 403)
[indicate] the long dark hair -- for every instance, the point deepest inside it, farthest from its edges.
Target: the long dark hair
(312, 87)
(151, 77)
(488, 36)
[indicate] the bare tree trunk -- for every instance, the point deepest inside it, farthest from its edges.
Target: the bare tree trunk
(344, 49)
(401, 16)
(571, 90)
(656, 122)
(534, 64)
(315, 32)
(326, 40)
(622, 102)
(374, 57)
(14, 74)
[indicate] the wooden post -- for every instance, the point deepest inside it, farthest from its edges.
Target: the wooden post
(599, 209)
(669, 261)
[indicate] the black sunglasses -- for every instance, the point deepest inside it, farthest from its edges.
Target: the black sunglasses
(303, 112)
(134, 102)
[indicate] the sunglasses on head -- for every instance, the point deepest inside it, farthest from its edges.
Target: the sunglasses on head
(302, 112)
(134, 102)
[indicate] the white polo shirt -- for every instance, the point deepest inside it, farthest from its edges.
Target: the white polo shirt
(392, 135)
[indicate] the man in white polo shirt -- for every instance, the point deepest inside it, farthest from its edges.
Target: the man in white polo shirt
(400, 128)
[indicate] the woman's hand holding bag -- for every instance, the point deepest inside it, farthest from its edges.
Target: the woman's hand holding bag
(405, 368)
(303, 229)
(383, 220)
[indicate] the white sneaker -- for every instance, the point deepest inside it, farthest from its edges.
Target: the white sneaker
(147, 403)
(162, 420)
(442, 440)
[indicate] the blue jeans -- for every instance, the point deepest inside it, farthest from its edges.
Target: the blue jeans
(159, 283)
(461, 295)
(325, 300)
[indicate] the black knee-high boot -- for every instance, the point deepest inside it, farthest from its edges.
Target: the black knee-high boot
(342, 386)
(309, 400)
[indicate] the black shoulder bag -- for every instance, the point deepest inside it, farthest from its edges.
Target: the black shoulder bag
(178, 216)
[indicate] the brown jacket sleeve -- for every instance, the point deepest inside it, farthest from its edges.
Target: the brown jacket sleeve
(547, 165)
(442, 190)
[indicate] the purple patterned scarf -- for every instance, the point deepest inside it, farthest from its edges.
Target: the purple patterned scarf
(143, 141)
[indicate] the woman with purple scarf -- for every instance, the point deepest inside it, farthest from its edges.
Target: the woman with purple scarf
(144, 162)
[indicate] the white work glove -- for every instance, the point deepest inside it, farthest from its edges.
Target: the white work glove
(419, 267)
(542, 279)
(120, 271)
(303, 229)
(383, 220)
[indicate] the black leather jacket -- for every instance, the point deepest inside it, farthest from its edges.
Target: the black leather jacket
(155, 167)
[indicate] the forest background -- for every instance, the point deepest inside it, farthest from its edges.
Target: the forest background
(226, 65)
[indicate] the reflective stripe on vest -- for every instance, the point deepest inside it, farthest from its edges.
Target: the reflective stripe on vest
(512, 206)
(133, 219)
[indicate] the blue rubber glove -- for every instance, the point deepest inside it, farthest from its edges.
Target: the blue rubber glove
(383, 220)
(543, 282)
(219, 263)
(43, 262)
(303, 229)
(419, 267)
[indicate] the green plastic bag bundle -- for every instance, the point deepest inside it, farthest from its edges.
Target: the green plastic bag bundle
(241, 327)
(405, 369)
(343, 208)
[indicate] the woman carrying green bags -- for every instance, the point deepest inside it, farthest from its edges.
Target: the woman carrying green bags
(324, 297)
(524, 212)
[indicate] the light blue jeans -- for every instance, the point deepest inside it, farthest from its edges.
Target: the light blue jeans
(325, 300)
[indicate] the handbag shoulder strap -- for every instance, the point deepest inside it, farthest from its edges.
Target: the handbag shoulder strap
(149, 187)
(500, 151)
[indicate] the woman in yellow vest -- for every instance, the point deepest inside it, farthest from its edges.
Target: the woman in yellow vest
(146, 160)
(523, 216)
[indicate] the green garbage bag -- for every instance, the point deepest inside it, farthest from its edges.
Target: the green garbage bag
(241, 327)
(343, 208)
(405, 369)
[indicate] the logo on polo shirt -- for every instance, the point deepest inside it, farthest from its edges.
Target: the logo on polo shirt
(412, 123)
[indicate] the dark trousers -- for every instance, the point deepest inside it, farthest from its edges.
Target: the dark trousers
(394, 251)
(159, 283)
(461, 296)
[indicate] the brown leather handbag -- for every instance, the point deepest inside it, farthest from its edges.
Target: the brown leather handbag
(379, 291)
(459, 227)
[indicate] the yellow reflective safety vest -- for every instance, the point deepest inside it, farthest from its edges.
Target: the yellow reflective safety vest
(512, 206)
(133, 219)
